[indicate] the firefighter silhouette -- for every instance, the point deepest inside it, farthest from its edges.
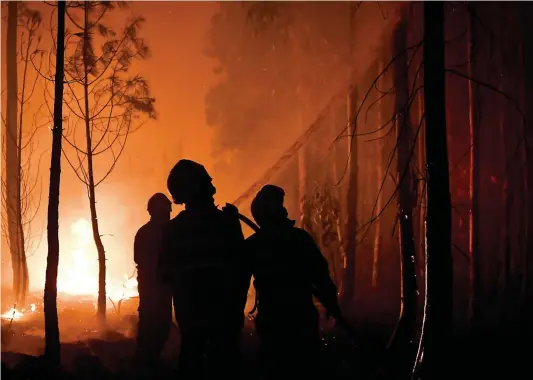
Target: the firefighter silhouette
(288, 270)
(203, 261)
(155, 297)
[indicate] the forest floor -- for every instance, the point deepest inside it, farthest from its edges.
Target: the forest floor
(89, 354)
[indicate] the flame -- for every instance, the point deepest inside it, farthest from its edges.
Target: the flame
(78, 274)
(81, 278)
(129, 289)
(15, 314)
(82, 275)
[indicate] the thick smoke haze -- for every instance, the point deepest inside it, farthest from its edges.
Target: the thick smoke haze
(232, 91)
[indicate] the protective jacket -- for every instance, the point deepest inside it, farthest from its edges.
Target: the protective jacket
(203, 259)
(288, 270)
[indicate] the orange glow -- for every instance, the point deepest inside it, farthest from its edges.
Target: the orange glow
(15, 314)
(181, 130)
(80, 275)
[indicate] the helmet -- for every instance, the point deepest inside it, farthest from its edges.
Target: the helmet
(186, 179)
(268, 204)
(158, 201)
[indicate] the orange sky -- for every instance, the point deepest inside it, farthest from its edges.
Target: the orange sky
(179, 75)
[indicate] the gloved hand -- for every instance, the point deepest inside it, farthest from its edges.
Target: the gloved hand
(232, 209)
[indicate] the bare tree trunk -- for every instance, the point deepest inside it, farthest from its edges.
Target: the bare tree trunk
(51, 326)
(521, 262)
(301, 171)
(421, 147)
(422, 189)
(379, 176)
(348, 281)
(24, 280)
(337, 193)
(12, 159)
(528, 166)
(507, 204)
(474, 290)
(405, 329)
(101, 304)
(434, 349)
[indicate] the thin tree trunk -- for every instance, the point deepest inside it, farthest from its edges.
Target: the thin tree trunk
(348, 281)
(337, 195)
(406, 327)
(528, 166)
(301, 172)
(417, 30)
(505, 282)
(521, 266)
(51, 326)
(434, 349)
(12, 159)
(101, 304)
(24, 280)
(422, 184)
(351, 230)
(507, 204)
(474, 289)
(379, 176)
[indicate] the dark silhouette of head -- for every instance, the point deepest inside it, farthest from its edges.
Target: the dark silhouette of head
(159, 207)
(190, 184)
(267, 206)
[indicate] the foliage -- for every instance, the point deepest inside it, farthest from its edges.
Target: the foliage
(119, 102)
(321, 220)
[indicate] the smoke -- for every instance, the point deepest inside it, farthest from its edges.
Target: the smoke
(230, 93)
(278, 65)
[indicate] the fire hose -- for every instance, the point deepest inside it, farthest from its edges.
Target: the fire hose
(255, 228)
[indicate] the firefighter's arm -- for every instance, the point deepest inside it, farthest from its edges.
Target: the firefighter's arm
(239, 244)
(138, 247)
(164, 264)
(324, 288)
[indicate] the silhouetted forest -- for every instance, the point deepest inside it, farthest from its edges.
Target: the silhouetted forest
(401, 133)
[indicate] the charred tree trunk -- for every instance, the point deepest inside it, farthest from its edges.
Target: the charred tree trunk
(434, 350)
(51, 326)
(417, 17)
(507, 182)
(101, 304)
(405, 330)
(348, 281)
(301, 172)
(422, 191)
(12, 158)
(474, 290)
(507, 201)
(528, 165)
(336, 195)
(379, 182)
